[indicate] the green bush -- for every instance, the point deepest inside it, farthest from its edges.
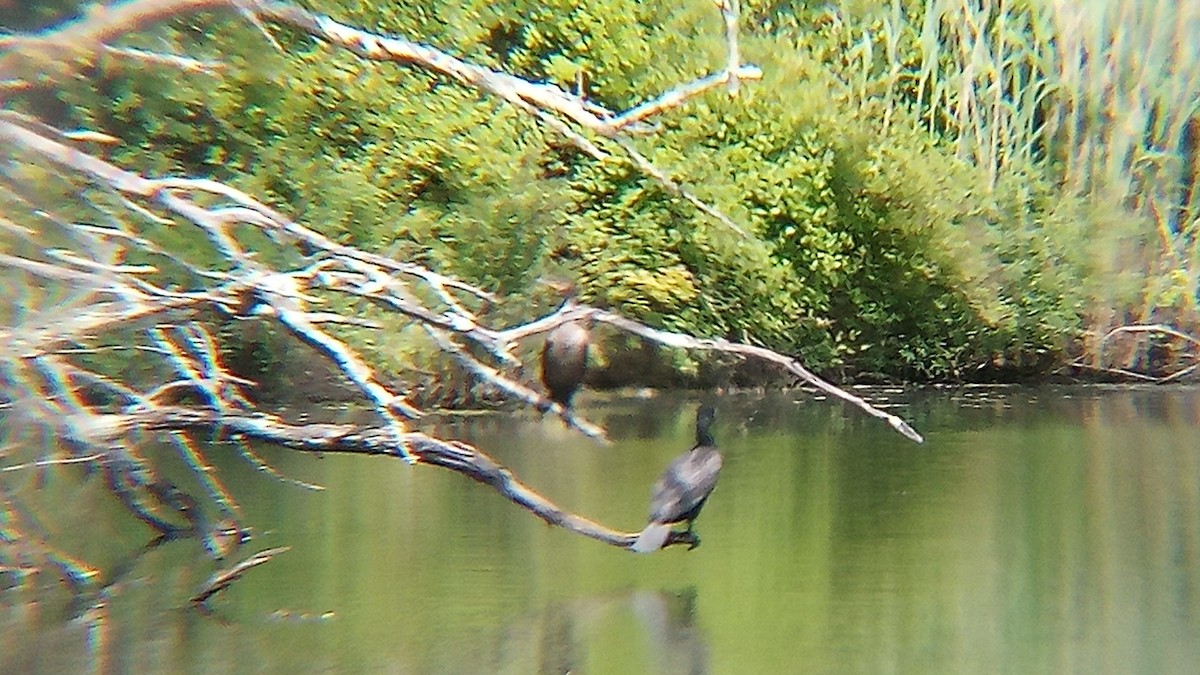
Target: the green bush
(876, 243)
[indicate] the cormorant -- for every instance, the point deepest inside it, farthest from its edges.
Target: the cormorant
(565, 355)
(681, 491)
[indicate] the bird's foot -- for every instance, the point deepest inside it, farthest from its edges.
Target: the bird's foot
(687, 537)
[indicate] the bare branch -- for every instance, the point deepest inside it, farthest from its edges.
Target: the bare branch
(1138, 331)
(684, 341)
(102, 24)
(98, 302)
(216, 490)
(250, 456)
(548, 102)
(675, 188)
(515, 389)
(224, 578)
(329, 438)
(56, 461)
(543, 97)
(1152, 328)
(171, 60)
(731, 13)
(678, 96)
(279, 293)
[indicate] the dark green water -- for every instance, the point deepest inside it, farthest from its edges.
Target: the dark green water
(1045, 531)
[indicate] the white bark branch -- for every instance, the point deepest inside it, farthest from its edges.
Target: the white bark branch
(548, 102)
(106, 303)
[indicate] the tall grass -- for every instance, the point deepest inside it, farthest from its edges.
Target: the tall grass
(1107, 90)
(1100, 97)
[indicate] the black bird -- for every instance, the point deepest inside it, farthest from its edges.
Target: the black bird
(683, 488)
(565, 355)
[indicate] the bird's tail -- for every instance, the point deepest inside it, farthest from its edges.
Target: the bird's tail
(652, 538)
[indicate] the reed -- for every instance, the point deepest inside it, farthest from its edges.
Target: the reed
(1100, 97)
(1107, 90)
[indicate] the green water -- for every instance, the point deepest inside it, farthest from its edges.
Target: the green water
(1036, 531)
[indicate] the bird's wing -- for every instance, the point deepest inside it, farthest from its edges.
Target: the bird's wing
(685, 484)
(701, 473)
(665, 498)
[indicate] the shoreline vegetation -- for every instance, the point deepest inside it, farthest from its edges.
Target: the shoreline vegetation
(933, 191)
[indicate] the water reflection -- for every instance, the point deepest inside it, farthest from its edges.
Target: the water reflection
(668, 622)
(643, 421)
(1044, 530)
(559, 638)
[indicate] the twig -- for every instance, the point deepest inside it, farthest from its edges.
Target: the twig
(1151, 328)
(1130, 374)
(260, 464)
(216, 490)
(223, 578)
(56, 461)
(731, 13)
(648, 167)
(172, 60)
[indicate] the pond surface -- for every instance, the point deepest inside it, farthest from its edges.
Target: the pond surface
(1036, 531)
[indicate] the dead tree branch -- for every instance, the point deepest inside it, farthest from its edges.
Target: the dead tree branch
(223, 578)
(118, 297)
(341, 438)
(684, 341)
(1139, 345)
(81, 297)
(554, 106)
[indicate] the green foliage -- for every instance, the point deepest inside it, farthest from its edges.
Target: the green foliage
(31, 16)
(862, 257)
(884, 235)
(1097, 99)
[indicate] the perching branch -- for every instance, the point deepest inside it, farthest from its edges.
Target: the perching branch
(341, 438)
(684, 341)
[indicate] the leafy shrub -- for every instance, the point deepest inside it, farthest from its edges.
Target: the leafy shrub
(875, 243)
